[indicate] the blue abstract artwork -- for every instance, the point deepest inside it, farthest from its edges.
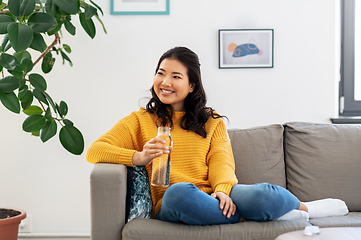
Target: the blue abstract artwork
(244, 49)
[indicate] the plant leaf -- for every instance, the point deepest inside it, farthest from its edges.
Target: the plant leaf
(40, 96)
(101, 22)
(64, 56)
(56, 29)
(38, 81)
(21, 7)
(20, 36)
(26, 64)
(14, 7)
(48, 114)
(48, 131)
(22, 81)
(17, 72)
(50, 100)
(90, 11)
(9, 84)
(34, 123)
(50, 7)
(100, 9)
(25, 105)
(5, 20)
(70, 27)
(33, 110)
(21, 55)
(8, 61)
(5, 44)
(38, 43)
(27, 7)
(36, 133)
(10, 101)
(72, 139)
(42, 22)
(88, 25)
(68, 6)
(25, 95)
(22, 88)
(67, 48)
(63, 108)
(48, 63)
(67, 122)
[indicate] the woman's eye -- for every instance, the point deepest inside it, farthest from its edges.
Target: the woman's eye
(159, 73)
(177, 77)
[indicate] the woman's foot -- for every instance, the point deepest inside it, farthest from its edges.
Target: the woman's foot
(328, 207)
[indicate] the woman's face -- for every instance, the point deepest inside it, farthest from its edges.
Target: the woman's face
(171, 83)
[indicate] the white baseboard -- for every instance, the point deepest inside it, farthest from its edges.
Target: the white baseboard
(53, 236)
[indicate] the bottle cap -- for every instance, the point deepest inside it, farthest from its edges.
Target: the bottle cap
(311, 230)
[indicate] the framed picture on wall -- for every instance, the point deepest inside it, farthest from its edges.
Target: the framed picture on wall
(245, 48)
(139, 7)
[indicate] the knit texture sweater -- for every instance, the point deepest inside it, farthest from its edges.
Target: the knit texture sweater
(206, 162)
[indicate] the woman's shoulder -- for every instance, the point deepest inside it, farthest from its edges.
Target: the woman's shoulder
(140, 115)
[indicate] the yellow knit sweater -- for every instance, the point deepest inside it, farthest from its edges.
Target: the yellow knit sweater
(206, 162)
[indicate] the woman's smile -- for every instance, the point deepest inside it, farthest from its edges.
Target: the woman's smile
(166, 92)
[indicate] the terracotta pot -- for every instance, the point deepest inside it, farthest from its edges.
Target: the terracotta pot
(9, 227)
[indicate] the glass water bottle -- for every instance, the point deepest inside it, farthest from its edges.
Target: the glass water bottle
(161, 165)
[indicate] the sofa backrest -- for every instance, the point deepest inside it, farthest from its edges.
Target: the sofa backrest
(324, 161)
(258, 154)
(319, 160)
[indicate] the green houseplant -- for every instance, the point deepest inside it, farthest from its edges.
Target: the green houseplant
(23, 25)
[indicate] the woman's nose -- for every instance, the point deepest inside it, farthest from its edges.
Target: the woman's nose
(166, 82)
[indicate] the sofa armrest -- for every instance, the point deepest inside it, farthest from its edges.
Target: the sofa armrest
(108, 189)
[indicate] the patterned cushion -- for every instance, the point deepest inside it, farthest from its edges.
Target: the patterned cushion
(139, 201)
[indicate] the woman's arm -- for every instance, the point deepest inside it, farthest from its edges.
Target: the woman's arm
(220, 159)
(124, 144)
(119, 144)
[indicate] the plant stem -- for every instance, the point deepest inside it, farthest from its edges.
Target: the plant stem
(56, 40)
(42, 106)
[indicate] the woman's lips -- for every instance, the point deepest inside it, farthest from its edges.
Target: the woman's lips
(166, 91)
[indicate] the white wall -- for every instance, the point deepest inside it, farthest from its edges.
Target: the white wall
(113, 72)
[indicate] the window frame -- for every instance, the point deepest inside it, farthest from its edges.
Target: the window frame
(348, 106)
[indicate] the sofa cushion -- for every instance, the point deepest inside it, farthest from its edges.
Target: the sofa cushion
(139, 229)
(258, 154)
(353, 219)
(324, 161)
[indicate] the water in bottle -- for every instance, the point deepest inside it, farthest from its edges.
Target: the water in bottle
(161, 165)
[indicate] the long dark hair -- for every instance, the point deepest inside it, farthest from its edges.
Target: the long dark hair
(196, 112)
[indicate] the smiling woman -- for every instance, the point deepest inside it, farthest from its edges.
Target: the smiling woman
(202, 164)
(171, 83)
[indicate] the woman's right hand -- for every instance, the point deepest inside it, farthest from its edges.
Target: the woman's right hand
(151, 150)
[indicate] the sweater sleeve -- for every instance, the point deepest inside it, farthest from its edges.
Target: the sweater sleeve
(220, 161)
(117, 145)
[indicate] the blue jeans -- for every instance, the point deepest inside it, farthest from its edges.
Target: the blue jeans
(184, 202)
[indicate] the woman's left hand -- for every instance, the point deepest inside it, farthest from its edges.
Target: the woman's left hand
(225, 203)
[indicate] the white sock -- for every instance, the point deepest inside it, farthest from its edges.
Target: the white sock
(295, 215)
(328, 207)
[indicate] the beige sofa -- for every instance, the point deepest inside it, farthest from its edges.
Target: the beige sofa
(313, 161)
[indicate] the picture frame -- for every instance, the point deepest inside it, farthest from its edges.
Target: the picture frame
(246, 48)
(139, 7)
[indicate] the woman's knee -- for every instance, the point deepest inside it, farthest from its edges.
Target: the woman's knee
(262, 194)
(177, 192)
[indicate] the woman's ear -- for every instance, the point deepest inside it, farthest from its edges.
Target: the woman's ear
(192, 85)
